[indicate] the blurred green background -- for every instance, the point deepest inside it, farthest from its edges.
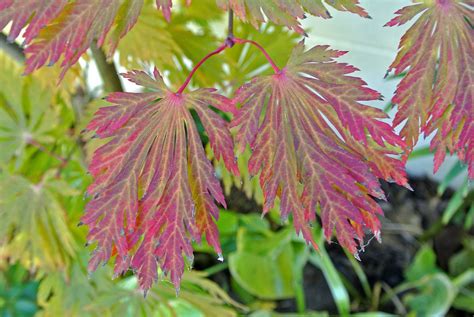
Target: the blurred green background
(424, 267)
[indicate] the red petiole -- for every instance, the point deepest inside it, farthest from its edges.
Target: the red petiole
(267, 56)
(230, 41)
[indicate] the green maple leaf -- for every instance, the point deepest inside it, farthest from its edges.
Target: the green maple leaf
(34, 226)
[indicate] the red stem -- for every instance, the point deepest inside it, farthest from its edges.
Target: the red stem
(230, 41)
(188, 79)
(269, 59)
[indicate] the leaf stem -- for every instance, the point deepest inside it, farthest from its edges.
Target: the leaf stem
(188, 79)
(267, 56)
(229, 42)
(230, 28)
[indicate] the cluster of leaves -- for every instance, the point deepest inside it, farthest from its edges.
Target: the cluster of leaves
(315, 146)
(42, 176)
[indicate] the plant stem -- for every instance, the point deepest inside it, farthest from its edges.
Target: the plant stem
(267, 56)
(229, 42)
(230, 28)
(107, 70)
(188, 79)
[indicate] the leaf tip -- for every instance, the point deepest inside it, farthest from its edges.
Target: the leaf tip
(378, 236)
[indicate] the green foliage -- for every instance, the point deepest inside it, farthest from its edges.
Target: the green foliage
(277, 263)
(43, 159)
(42, 178)
(17, 292)
(432, 291)
(39, 215)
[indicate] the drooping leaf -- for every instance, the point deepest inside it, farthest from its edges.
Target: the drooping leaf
(153, 180)
(310, 166)
(285, 12)
(34, 227)
(61, 28)
(436, 95)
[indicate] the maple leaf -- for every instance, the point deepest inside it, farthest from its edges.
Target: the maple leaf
(305, 162)
(61, 28)
(36, 13)
(153, 179)
(34, 226)
(27, 112)
(285, 12)
(436, 95)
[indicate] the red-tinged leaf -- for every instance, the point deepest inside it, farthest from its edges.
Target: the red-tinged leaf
(436, 95)
(153, 179)
(309, 165)
(64, 29)
(285, 12)
(36, 13)
(166, 5)
(72, 33)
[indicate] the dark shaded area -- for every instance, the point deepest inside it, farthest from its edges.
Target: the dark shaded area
(411, 218)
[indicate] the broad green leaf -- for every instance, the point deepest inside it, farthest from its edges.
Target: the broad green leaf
(423, 264)
(434, 296)
(276, 262)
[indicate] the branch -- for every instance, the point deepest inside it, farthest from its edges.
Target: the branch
(12, 49)
(107, 70)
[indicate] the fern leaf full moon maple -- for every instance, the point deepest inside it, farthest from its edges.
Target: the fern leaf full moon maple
(154, 187)
(436, 95)
(287, 12)
(61, 28)
(302, 160)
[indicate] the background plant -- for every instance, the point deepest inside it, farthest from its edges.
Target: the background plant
(44, 155)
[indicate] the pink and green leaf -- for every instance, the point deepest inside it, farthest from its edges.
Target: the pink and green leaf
(61, 30)
(310, 136)
(287, 13)
(436, 95)
(155, 190)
